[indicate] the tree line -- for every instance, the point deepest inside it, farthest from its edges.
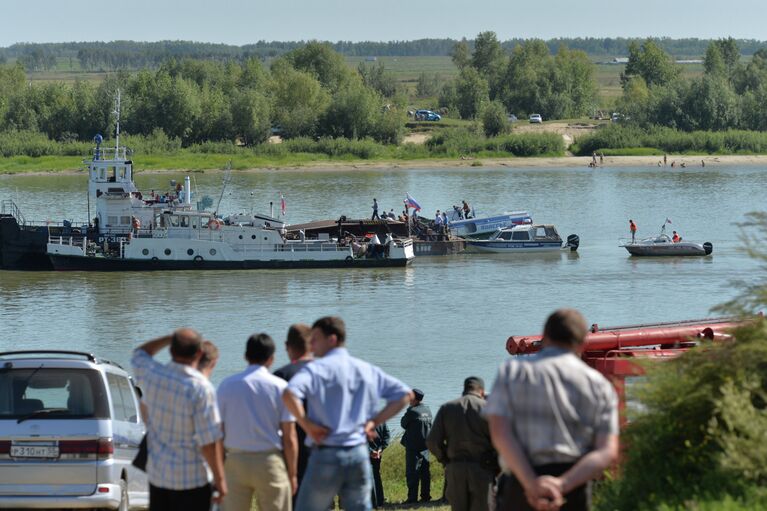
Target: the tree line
(309, 92)
(134, 55)
(730, 94)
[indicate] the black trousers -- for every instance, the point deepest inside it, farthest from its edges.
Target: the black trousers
(196, 499)
(377, 496)
(417, 471)
(511, 495)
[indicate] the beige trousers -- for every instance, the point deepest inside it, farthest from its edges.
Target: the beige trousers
(261, 473)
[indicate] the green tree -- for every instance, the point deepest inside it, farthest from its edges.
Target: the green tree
(299, 101)
(250, 114)
(322, 62)
(495, 119)
(471, 93)
(377, 78)
(650, 62)
(428, 85)
(712, 104)
(460, 54)
(352, 112)
(713, 62)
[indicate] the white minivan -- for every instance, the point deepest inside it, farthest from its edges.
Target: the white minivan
(70, 426)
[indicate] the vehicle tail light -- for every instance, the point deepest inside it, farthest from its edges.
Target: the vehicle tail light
(101, 448)
(5, 447)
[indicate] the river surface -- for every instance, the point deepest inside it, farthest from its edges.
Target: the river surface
(431, 324)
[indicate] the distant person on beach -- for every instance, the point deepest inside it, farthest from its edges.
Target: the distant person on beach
(460, 440)
(375, 210)
(594, 158)
(702, 163)
(343, 394)
(683, 165)
(553, 420)
(259, 433)
(633, 230)
(183, 424)
(601, 157)
(417, 424)
(299, 352)
(664, 160)
(673, 164)
(376, 448)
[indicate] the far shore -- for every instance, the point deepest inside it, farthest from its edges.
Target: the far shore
(690, 161)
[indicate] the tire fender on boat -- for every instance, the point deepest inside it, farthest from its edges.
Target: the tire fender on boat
(197, 259)
(214, 224)
(349, 259)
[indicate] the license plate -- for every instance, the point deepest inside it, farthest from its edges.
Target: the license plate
(34, 451)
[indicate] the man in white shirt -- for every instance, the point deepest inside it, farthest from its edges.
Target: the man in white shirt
(259, 433)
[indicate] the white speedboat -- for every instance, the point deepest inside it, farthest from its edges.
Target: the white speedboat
(663, 245)
(523, 239)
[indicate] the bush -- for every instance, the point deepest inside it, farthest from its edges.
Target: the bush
(495, 119)
(673, 141)
(34, 143)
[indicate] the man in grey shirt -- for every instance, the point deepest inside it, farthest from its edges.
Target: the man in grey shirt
(553, 420)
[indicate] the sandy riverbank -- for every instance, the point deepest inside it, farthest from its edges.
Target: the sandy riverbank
(471, 162)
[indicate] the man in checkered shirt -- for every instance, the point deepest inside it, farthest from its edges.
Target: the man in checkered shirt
(554, 422)
(183, 425)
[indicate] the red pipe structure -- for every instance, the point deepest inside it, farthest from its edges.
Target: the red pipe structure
(616, 338)
(614, 351)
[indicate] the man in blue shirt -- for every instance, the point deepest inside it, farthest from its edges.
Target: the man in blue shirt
(342, 395)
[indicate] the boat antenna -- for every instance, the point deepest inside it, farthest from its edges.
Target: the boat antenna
(117, 121)
(227, 178)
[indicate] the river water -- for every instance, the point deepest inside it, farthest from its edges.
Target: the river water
(431, 324)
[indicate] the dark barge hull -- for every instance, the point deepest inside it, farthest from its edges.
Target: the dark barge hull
(104, 264)
(24, 248)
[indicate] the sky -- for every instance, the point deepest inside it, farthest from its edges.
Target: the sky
(246, 21)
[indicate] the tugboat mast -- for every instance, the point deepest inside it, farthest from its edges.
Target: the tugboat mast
(117, 118)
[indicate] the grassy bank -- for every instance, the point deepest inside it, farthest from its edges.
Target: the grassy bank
(32, 152)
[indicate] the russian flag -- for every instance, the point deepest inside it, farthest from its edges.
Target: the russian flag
(412, 203)
(283, 206)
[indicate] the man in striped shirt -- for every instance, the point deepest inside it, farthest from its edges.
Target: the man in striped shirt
(183, 425)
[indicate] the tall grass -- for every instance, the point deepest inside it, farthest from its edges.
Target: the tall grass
(669, 140)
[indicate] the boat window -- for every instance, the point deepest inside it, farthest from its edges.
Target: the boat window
(505, 236)
(520, 236)
(112, 173)
(195, 222)
(173, 220)
(121, 173)
(540, 232)
(184, 221)
(125, 220)
(112, 220)
(102, 174)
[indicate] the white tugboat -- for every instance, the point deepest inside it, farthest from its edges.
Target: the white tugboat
(184, 240)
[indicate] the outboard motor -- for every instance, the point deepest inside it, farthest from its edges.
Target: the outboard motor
(573, 241)
(708, 247)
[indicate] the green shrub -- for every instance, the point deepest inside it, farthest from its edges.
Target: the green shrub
(35, 144)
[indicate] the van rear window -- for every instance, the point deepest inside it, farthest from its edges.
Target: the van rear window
(52, 393)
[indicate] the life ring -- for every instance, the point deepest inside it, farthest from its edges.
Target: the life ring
(214, 224)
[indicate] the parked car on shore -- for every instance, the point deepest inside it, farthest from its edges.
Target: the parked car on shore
(536, 119)
(427, 115)
(70, 427)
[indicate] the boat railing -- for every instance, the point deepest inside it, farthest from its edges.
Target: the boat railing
(9, 207)
(74, 241)
(108, 153)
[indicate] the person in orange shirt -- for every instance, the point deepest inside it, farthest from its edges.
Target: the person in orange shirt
(633, 229)
(676, 238)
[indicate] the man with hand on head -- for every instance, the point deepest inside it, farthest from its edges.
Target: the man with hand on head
(342, 395)
(183, 425)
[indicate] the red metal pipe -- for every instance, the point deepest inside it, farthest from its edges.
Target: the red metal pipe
(622, 337)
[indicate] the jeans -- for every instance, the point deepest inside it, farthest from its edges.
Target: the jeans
(417, 470)
(332, 471)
